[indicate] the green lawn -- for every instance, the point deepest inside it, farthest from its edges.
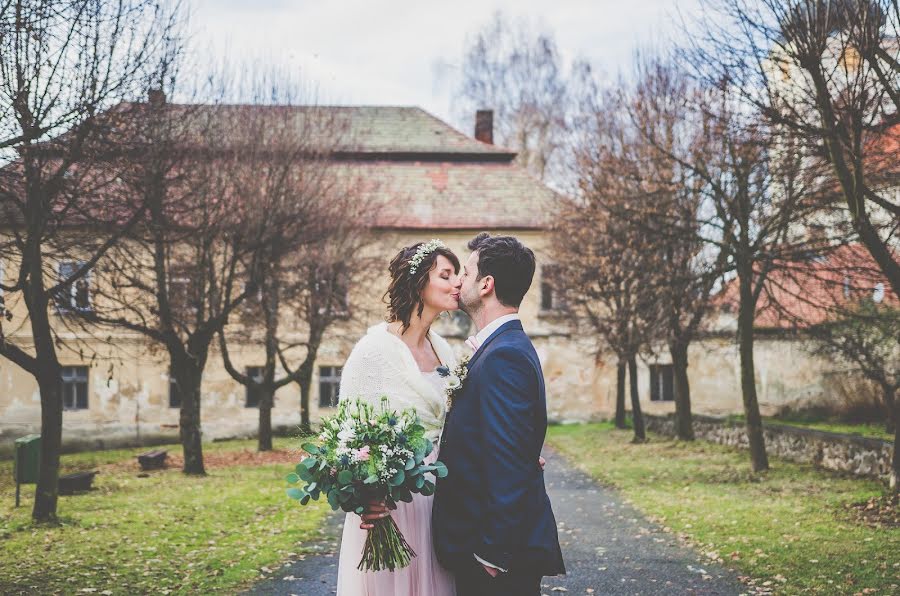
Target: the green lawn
(163, 534)
(789, 527)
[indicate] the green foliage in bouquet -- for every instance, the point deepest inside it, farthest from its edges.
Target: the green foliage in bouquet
(367, 454)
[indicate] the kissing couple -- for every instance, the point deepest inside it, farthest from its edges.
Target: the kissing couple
(489, 528)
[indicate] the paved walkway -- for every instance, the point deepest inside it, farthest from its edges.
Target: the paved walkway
(607, 546)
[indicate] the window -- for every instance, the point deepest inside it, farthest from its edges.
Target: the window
(329, 385)
(331, 288)
(551, 298)
(661, 388)
(174, 392)
(76, 296)
(75, 387)
(183, 292)
(256, 375)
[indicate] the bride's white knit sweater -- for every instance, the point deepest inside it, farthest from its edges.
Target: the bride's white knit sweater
(382, 365)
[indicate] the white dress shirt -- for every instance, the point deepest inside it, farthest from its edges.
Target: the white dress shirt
(483, 335)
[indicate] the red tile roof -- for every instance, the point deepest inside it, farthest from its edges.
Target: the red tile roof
(808, 292)
(425, 173)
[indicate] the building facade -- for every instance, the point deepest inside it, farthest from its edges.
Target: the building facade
(432, 181)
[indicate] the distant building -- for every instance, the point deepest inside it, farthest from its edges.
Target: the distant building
(433, 182)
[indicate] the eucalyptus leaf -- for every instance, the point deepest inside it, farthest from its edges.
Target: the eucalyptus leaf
(345, 477)
(305, 499)
(410, 464)
(295, 493)
(371, 479)
(398, 478)
(292, 478)
(310, 448)
(333, 499)
(440, 470)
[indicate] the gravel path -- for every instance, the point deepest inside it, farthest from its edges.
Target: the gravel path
(608, 548)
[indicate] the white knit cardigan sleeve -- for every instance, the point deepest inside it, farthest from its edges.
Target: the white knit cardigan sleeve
(363, 376)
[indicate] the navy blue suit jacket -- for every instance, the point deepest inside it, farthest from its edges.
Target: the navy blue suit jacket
(493, 502)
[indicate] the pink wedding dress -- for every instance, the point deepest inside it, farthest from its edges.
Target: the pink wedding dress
(423, 577)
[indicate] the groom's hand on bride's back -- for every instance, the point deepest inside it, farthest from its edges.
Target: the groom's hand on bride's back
(375, 510)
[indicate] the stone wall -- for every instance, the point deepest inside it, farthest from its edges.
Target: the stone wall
(854, 454)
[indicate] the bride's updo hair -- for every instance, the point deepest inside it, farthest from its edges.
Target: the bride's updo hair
(404, 295)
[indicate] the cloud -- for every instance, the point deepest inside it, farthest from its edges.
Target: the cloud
(388, 52)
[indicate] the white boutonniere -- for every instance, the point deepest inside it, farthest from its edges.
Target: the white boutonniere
(453, 379)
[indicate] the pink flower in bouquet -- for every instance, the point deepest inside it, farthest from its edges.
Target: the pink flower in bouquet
(361, 454)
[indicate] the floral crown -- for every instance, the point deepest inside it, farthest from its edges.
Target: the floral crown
(422, 252)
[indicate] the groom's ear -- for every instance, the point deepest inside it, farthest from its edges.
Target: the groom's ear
(487, 285)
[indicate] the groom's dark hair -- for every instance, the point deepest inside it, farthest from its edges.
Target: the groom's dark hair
(509, 262)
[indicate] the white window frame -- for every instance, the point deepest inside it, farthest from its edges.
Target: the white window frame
(67, 301)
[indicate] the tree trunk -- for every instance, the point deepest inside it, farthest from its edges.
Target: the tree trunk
(892, 409)
(49, 382)
(188, 373)
(684, 424)
(266, 401)
(746, 314)
(49, 379)
(637, 417)
(895, 462)
(305, 382)
(620, 394)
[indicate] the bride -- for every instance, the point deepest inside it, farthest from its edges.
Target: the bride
(399, 359)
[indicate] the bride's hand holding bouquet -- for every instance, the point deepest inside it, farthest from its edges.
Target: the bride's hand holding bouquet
(369, 455)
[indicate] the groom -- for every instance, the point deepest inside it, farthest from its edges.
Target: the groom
(492, 521)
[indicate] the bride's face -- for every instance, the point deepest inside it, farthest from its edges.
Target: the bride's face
(442, 290)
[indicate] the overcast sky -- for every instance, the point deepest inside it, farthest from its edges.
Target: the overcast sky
(390, 52)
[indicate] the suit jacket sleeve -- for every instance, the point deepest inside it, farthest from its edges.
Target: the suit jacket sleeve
(507, 401)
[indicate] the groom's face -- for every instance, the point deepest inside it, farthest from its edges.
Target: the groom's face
(470, 290)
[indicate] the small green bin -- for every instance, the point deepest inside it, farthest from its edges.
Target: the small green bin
(28, 459)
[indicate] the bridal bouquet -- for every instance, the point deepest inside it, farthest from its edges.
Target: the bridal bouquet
(367, 453)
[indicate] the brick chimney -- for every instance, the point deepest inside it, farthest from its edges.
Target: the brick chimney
(156, 97)
(484, 126)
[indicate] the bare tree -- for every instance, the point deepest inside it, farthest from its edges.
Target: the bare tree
(828, 73)
(196, 255)
(63, 64)
(759, 197)
(604, 257)
(688, 269)
(520, 75)
(305, 274)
